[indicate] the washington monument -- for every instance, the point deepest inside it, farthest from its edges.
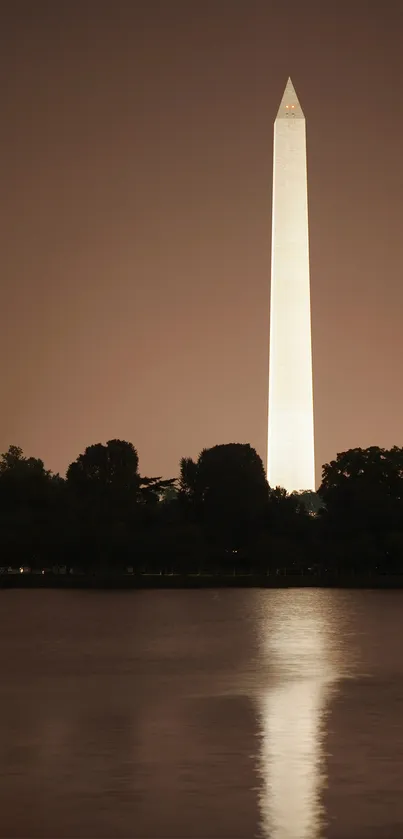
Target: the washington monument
(290, 451)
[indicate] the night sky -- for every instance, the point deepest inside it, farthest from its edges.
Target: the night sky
(135, 200)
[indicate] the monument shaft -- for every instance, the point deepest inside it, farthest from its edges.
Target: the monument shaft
(290, 455)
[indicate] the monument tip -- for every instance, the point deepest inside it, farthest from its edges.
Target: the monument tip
(290, 106)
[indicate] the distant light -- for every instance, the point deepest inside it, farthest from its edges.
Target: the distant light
(287, 106)
(21, 570)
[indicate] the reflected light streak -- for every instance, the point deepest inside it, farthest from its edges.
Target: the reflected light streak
(302, 669)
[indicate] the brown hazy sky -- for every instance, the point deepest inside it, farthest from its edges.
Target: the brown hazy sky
(135, 200)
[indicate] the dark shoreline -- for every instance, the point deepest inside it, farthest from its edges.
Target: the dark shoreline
(166, 581)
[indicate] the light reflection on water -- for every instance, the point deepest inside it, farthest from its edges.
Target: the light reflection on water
(302, 665)
(201, 715)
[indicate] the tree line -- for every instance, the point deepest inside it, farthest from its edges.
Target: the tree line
(219, 515)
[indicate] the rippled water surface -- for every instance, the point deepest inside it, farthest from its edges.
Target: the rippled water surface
(209, 714)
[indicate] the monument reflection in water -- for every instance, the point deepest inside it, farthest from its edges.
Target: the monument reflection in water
(301, 662)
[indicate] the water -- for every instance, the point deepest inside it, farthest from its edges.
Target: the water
(201, 714)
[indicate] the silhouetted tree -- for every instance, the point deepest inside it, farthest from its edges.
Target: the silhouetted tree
(291, 530)
(310, 500)
(31, 503)
(228, 491)
(187, 478)
(112, 469)
(373, 467)
(104, 487)
(363, 493)
(111, 503)
(220, 514)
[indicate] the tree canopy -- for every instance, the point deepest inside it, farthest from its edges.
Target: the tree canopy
(219, 513)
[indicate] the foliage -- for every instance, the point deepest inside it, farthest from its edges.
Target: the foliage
(219, 516)
(227, 492)
(363, 492)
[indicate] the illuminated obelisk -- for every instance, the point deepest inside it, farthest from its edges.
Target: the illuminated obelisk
(290, 455)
